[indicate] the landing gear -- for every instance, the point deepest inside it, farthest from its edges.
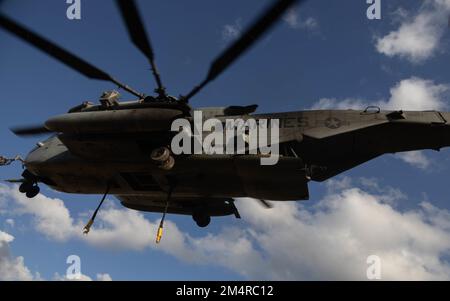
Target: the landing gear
(30, 188)
(25, 186)
(33, 192)
(202, 219)
(163, 158)
(29, 184)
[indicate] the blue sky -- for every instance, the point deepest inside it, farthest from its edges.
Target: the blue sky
(324, 54)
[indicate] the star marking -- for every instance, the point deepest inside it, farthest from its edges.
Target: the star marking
(333, 123)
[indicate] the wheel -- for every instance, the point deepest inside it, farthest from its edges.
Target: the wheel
(204, 221)
(201, 219)
(34, 191)
(25, 186)
(160, 154)
(168, 164)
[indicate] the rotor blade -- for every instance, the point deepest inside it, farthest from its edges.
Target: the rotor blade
(14, 181)
(30, 130)
(265, 204)
(139, 36)
(59, 53)
(250, 36)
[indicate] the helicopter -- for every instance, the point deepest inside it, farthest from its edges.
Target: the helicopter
(123, 148)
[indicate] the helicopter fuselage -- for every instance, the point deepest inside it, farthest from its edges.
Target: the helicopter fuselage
(314, 145)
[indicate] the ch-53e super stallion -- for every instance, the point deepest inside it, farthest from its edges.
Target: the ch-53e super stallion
(123, 148)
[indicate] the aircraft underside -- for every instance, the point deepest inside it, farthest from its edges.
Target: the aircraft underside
(207, 185)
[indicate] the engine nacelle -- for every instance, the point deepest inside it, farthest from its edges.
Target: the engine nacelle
(114, 121)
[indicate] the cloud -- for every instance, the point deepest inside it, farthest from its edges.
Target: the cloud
(10, 222)
(99, 277)
(336, 104)
(417, 94)
(119, 229)
(114, 228)
(104, 277)
(333, 240)
(232, 31)
(12, 268)
(82, 277)
(415, 158)
(294, 21)
(414, 94)
(399, 15)
(329, 240)
(50, 216)
(418, 37)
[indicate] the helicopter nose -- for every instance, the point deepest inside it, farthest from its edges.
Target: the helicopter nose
(35, 158)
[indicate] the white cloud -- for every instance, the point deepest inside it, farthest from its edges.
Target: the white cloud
(82, 277)
(114, 228)
(294, 21)
(444, 3)
(331, 240)
(418, 37)
(334, 239)
(231, 31)
(99, 277)
(50, 216)
(417, 94)
(415, 158)
(386, 194)
(336, 104)
(399, 15)
(12, 268)
(103, 277)
(413, 94)
(120, 229)
(10, 222)
(416, 40)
